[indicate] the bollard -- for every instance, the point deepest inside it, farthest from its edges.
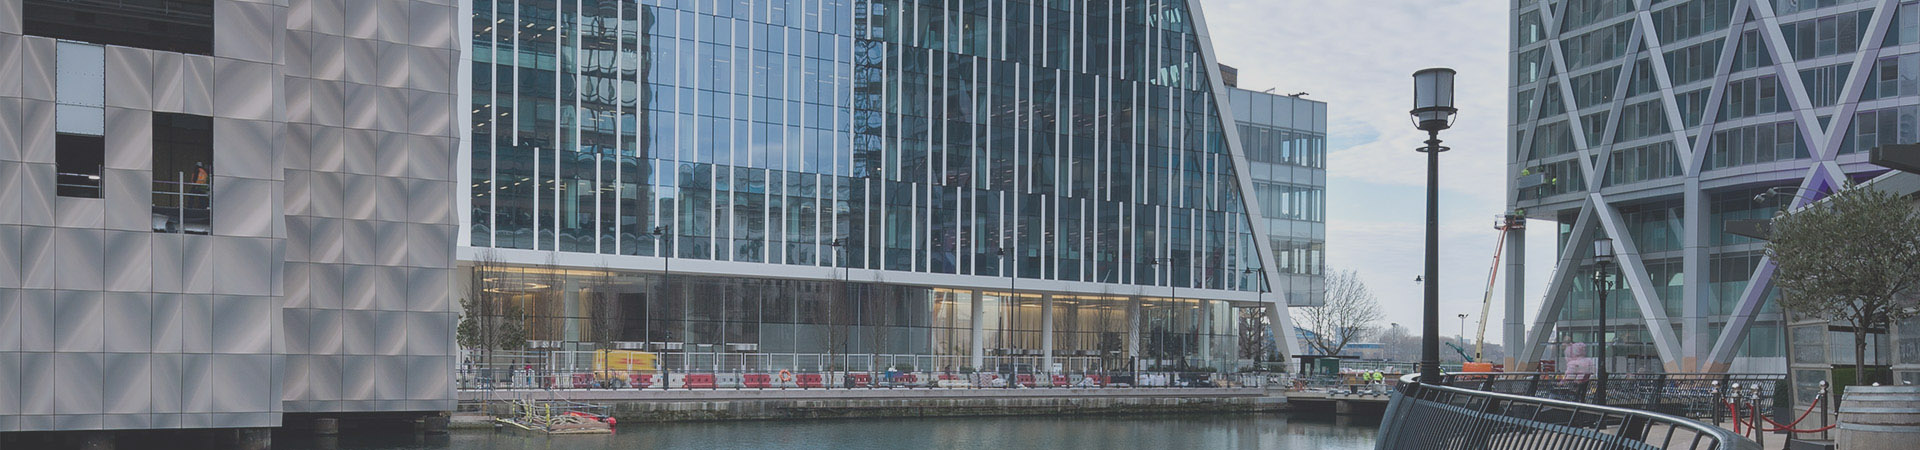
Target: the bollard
(1718, 400)
(1823, 410)
(1753, 402)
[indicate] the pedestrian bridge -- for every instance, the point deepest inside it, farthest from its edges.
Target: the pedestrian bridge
(1472, 411)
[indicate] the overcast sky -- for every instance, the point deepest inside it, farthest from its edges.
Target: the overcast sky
(1359, 57)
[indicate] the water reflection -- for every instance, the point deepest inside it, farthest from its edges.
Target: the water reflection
(1243, 431)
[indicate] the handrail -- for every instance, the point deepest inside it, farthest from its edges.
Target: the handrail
(1693, 395)
(1423, 416)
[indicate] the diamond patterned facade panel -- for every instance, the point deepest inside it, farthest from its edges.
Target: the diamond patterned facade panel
(216, 294)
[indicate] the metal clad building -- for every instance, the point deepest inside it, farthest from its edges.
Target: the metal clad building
(1658, 123)
(214, 212)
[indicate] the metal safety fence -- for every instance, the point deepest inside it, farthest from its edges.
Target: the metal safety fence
(1436, 416)
(1693, 395)
(535, 378)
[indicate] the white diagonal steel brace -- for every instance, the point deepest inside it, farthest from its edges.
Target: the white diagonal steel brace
(1751, 297)
(1787, 71)
(1559, 63)
(1623, 77)
(1663, 82)
(1559, 285)
(1652, 310)
(1709, 116)
(1825, 171)
(1863, 62)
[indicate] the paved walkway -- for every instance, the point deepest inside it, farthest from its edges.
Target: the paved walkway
(1773, 441)
(1778, 441)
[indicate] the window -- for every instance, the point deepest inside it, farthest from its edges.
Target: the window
(1823, 83)
(184, 26)
(77, 161)
(1906, 29)
(79, 119)
(182, 173)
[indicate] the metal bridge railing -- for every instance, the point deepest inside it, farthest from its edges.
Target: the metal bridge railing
(1692, 395)
(1431, 416)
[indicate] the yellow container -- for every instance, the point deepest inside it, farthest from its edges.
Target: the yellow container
(617, 364)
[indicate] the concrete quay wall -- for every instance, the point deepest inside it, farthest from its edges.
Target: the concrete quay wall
(825, 404)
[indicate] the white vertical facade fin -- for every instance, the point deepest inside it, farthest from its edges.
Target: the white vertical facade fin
(1243, 171)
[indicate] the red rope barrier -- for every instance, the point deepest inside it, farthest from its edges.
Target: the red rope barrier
(1736, 417)
(1803, 415)
(1788, 427)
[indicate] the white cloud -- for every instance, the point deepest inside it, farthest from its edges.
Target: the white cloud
(1359, 57)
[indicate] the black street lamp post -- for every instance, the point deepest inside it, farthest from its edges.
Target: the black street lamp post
(1461, 338)
(1432, 111)
(1602, 260)
(663, 240)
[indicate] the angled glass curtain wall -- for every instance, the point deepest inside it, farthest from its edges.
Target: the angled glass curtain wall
(1074, 141)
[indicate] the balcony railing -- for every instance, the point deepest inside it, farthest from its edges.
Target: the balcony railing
(1434, 416)
(182, 206)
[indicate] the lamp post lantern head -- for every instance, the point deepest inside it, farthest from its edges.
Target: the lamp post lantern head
(1433, 99)
(1603, 250)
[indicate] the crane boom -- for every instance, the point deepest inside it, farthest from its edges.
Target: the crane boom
(1503, 223)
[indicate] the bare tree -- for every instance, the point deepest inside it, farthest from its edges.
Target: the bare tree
(609, 320)
(1253, 333)
(1397, 344)
(1349, 314)
(549, 300)
(489, 321)
(1850, 258)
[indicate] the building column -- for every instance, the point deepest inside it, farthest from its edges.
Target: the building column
(978, 339)
(1046, 333)
(1206, 333)
(1694, 237)
(570, 303)
(1514, 333)
(1133, 332)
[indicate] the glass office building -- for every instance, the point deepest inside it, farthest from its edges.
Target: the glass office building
(1659, 126)
(761, 184)
(1286, 141)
